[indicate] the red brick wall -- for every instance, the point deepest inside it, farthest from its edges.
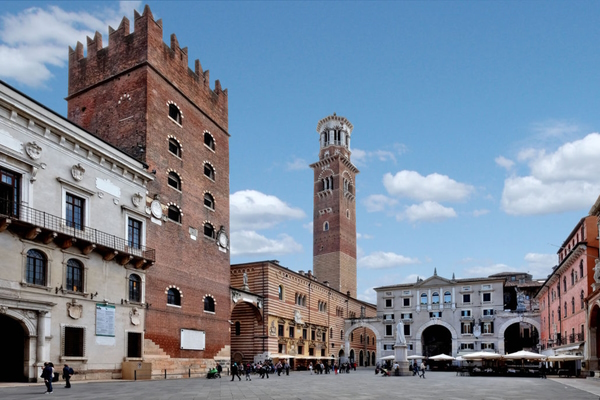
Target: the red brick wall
(121, 93)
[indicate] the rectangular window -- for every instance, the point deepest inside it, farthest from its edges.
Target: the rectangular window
(389, 303)
(487, 297)
(74, 341)
(280, 332)
(134, 233)
(388, 330)
(134, 344)
(291, 331)
(74, 211)
(406, 302)
(406, 330)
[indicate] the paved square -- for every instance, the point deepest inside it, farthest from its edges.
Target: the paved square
(362, 384)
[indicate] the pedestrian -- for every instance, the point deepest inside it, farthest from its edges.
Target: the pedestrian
(422, 368)
(235, 372)
(47, 375)
(310, 367)
(248, 371)
(67, 374)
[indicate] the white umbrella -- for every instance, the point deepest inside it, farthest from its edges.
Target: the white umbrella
(481, 355)
(565, 357)
(388, 358)
(441, 357)
(415, 357)
(525, 355)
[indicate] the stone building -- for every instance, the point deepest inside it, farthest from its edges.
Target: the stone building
(453, 316)
(139, 94)
(73, 255)
(562, 297)
(301, 316)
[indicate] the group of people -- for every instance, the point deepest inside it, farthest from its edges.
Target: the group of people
(48, 376)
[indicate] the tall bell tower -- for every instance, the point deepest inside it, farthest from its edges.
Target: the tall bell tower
(334, 213)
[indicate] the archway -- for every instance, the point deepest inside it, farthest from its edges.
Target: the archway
(13, 336)
(436, 339)
(247, 336)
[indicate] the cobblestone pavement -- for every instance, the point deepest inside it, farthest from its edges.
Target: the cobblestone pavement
(362, 384)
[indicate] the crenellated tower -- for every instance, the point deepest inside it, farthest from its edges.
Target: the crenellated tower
(334, 214)
(139, 94)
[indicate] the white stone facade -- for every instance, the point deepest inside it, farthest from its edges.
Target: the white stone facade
(72, 245)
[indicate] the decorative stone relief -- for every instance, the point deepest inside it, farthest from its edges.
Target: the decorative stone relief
(33, 150)
(134, 316)
(74, 310)
(136, 199)
(77, 171)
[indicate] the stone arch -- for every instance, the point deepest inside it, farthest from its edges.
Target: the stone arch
(511, 321)
(419, 335)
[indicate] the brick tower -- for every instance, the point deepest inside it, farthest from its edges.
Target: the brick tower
(139, 94)
(334, 235)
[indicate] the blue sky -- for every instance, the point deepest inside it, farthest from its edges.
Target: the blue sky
(474, 122)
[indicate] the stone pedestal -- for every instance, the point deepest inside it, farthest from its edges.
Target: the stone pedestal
(400, 351)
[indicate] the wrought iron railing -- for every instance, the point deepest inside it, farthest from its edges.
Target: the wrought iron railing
(56, 224)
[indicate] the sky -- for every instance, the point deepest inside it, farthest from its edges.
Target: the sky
(475, 123)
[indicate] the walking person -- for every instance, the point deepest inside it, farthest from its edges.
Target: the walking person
(235, 372)
(47, 375)
(67, 374)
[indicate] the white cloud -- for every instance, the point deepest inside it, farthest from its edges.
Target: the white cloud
(434, 187)
(378, 202)
(428, 211)
(297, 165)
(251, 209)
(559, 181)
(504, 162)
(487, 270)
(37, 38)
(251, 243)
(381, 260)
(479, 213)
(540, 265)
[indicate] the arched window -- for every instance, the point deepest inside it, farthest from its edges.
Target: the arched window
(174, 180)
(573, 305)
(447, 298)
(423, 298)
(174, 113)
(209, 141)
(173, 297)
(35, 273)
(174, 214)
(209, 201)
(326, 226)
(174, 147)
(209, 304)
(280, 292)
(435, 298)
(74, 276)
(238, 328)
(135, 288)
(581, 297)
(209, 171)
(209, 230)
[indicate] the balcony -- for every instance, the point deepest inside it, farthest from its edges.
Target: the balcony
(32, 224)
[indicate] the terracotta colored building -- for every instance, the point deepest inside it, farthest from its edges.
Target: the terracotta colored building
(562, 297)
(139, 94)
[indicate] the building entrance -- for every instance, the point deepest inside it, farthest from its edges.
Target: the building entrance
(12, 336)
(436, 340)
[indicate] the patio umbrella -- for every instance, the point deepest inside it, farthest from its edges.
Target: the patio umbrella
(481, 355)
(525, 355)
(415, 357)
(565, 357)
(441, 357)
(388, 358)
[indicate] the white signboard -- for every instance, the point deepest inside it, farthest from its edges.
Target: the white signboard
(192, 340)
(105, 320)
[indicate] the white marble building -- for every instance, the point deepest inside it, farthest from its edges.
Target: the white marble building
(72, 246)
(451, 316)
